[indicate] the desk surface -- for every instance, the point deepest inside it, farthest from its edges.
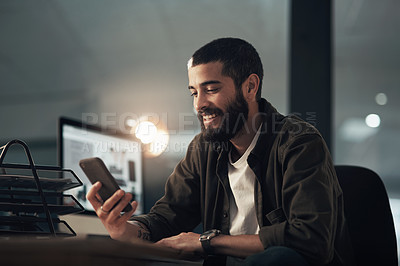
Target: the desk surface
(89, 252)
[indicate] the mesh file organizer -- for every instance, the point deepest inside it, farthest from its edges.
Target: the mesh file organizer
(32, 197)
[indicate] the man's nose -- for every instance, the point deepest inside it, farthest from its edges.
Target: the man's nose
(200, 102)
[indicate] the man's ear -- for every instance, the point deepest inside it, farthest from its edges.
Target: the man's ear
(252, 84)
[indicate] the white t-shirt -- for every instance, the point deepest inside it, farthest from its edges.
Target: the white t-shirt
(243, 218)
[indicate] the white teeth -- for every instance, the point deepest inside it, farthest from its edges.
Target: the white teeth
(207, 117)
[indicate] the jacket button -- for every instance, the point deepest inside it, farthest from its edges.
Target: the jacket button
(225, 214)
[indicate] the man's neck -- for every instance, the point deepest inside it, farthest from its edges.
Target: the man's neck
(244, 138)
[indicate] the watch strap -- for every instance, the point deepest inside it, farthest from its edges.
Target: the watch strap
(207, 246)
(205, 240)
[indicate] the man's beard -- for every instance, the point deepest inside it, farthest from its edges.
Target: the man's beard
(232, 121)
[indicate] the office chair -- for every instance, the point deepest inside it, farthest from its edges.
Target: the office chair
(368, 215)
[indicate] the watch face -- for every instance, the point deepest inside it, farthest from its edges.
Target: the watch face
(209, 234)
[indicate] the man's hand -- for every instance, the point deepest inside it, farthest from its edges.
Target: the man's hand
(109, 212)
(188, 242)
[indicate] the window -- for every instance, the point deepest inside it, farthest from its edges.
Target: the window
(367, 90)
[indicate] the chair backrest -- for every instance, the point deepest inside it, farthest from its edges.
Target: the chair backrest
(368, 216)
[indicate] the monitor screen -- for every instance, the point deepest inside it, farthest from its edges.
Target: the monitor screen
(120, 153)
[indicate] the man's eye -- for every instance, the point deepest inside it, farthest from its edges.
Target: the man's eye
(211, 90)
(193, 93)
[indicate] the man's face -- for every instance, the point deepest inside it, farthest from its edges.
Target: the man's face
(221, 108)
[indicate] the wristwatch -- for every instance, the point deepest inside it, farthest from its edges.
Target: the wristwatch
(205, 239)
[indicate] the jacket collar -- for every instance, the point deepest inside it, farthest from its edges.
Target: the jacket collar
(271, 119)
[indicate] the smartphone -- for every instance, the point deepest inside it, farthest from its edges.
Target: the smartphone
(96, 170)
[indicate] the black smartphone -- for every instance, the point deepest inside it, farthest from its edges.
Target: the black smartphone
(96, 170)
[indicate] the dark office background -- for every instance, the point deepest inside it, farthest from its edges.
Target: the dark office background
(73, 57)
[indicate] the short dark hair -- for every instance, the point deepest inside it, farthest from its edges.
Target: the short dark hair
(239, 58)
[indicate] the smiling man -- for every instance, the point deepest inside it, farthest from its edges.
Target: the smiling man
(262, 184)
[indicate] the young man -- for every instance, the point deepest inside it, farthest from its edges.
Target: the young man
(263, 185)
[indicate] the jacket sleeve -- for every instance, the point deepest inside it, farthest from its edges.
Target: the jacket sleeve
(179, 209)
(309, 200)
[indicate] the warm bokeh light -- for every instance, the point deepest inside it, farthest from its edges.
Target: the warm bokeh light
(146, 131)
(153, 135)
(159, 144)
(131, 123)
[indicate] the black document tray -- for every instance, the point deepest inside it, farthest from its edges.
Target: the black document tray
(31, 197)
(32, 226)
(23, 204)
(28, 182)
(51, 178)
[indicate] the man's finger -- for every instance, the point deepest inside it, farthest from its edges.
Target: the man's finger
(127, 215)
(122, 203)
(99, 198)
(91, 196)
(109, 204)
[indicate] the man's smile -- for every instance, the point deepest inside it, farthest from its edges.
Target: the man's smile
(209, 119)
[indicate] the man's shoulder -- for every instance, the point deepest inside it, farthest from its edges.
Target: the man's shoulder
(294, 126)
(291, 129)
(284, 124)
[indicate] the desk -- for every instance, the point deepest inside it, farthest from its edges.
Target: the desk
(79, 252)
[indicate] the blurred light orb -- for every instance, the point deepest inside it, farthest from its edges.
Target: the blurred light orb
(381, 98)
(159, 144)
(146, 131)
(131, 123)
(373, 120)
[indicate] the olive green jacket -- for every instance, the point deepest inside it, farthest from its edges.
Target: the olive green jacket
(299, 202)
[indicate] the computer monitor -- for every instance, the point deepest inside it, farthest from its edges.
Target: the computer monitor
(121, 154)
